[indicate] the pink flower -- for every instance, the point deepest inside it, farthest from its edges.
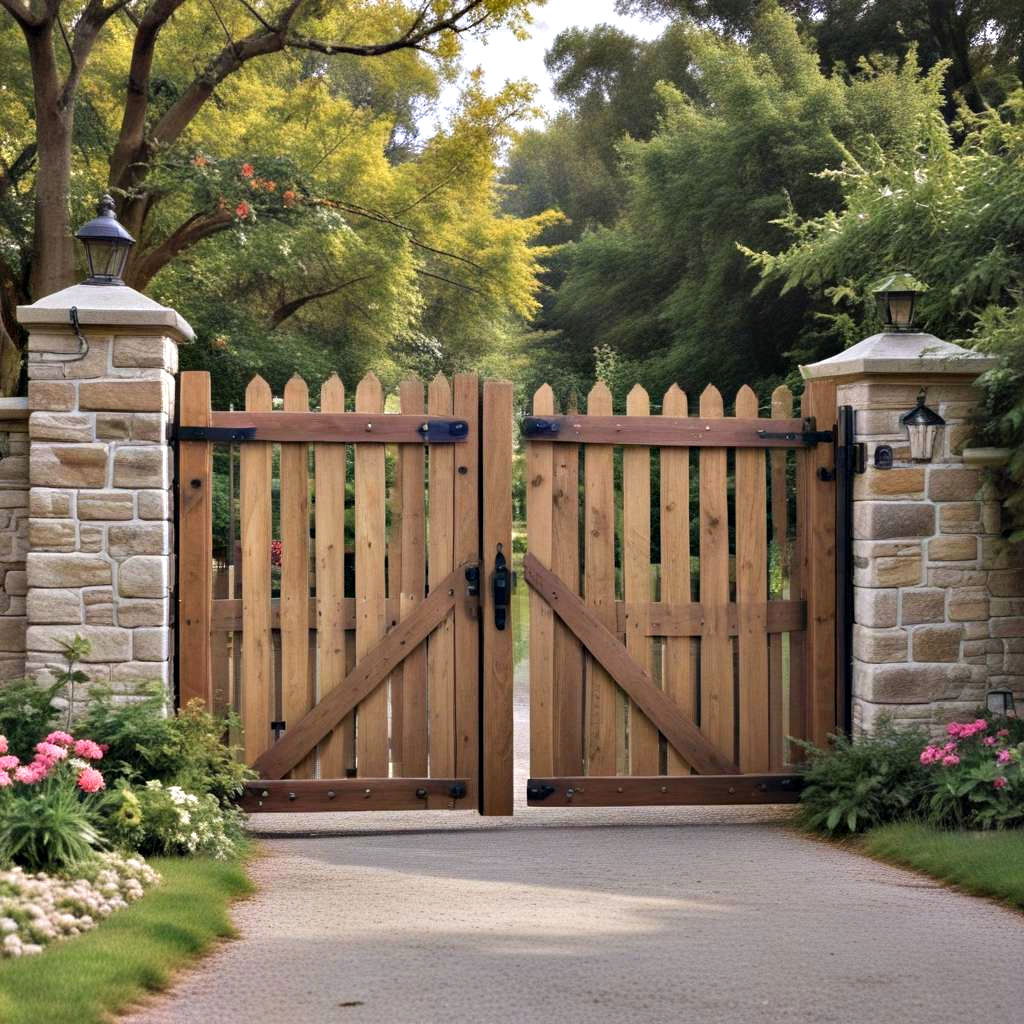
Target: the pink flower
(949, 748)
(50, 751)
(953, 728)
(999, 782)
(989, 741)
(1003, 732)
(90, 780)
(930, 755)
(60, 739)
(8, 763)
(3, 744)
(1004, 757)
(29, 774)
(951, 759)
(5, 780)
(88, 749)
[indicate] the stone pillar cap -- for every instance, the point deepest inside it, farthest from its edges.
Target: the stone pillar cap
(115, 306)
(904, 352)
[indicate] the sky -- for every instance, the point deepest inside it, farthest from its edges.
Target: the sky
(504, 58)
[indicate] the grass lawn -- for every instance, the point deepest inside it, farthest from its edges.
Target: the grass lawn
(134, 951)
(982, 863)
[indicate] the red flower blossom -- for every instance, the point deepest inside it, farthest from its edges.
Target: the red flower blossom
(247, 170)
(276, 553)
(242, 210)
(288, 197)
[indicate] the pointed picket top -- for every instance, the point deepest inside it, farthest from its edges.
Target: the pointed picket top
(674, 403)
(439, 396)
(746, 402)
(544, 400)
(258, 396)
(332, 394)
(599, 400)
(782, 402)
(711, 402)
(296, 395)
(638, 402)
(369, 394)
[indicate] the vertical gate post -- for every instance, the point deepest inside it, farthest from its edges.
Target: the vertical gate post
(927, 559)
(102, 362)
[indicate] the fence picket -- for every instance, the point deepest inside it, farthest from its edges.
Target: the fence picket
(716, 690)
(677, 664)
(782, 408)
(372, 712)
(330, 574)
(257, 649)
(751, 594)
(441, 561)
(602, 730)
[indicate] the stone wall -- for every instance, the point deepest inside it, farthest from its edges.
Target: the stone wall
(13, 535)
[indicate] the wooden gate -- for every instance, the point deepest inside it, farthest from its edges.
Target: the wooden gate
(348, 632)
(665, 672)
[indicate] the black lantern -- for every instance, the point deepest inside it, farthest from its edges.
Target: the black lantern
(922, 426)
(896, 297)
(1000, 702)
(106, 245)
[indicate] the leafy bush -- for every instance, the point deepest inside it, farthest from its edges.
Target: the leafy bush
(864, 782)
(146, 742)
(26, 713)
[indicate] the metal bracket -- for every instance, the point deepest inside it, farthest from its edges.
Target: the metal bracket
(457, 790)
(440, 431)
(213, 434)
(538, 790)
(537, 427)
(808, 437)
(277, 728)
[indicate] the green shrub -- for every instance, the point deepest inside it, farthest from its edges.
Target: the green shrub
(47, 828)
(865, 782)
(27, 713)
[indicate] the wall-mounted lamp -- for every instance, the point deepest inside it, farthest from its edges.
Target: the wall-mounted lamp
(922, 426)
(1000, 702)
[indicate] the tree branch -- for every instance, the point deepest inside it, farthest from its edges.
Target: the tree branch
(286, 309)
(199, 226)
(22, 14)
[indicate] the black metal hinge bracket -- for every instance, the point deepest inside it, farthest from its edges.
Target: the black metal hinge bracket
(222, 434)
(538, 790)
(808, 437)
(440, 431)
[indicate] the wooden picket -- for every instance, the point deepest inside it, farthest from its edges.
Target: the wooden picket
(740, 668)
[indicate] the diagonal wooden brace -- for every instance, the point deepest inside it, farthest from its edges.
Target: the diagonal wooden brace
(367, 675)
(684, 736)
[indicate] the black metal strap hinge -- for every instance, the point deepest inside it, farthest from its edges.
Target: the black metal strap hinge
(437, 431)
(223, 434)
(808, 437)
(537, 427)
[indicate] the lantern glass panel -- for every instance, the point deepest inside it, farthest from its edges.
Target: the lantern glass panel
(922, 440)
(106, 258)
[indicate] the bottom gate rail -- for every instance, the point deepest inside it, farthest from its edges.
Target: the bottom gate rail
(664, 790)
(307, 795)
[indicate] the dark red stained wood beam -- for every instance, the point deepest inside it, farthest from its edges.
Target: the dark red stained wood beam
(306, 795)
(340, 427)
(671, 431)
(665, 790)
(300, 738)
(685, 737)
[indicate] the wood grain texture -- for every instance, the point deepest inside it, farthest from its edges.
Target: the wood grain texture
(678, 662)
(633, 678)
(306, 796)
(540, 469)
(716, 672)
(667, 431)
(195, 549)
(751, 595)
(602, 730)
(659, 791)
(257, 651)
(782, 408)
(441, 646)
(466, 550)
(644, 756)
(497, 682)
(372, 753)
(413, 584)
(297, 687)
(338, 428)
(330, 462)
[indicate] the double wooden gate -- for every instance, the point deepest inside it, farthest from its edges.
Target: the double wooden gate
(353, 603)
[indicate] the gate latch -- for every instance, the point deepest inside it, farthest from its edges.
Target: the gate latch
(501, 589)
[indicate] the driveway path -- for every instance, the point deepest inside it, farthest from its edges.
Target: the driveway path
(659, 915)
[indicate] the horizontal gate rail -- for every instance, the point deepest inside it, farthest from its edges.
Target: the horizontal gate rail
(661, 619)
(684, 736)
(306, 795)
(327, 427)
(663, 790)
(675, 431)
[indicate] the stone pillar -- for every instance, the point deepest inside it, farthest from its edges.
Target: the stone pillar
(100, 560)
(929, 560)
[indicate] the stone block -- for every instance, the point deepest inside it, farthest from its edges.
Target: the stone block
(106, 505)
(67, 570)
(14, 469)
(95, 364)
(953, 549)
(887, 571)
(52, 395)
(154, 504)
(12, 634)
(152, 644)
(884, 520)
(143, 613)
(151, 350)
(143, 467)
(960, 517)
(53, 606)
(936, 643)
(135, 672)
(58, 426)
(90, 537)
(879, 645)
(70, 465)
(942, 577)
(957, 436)
(889, 484)
(875, 607)
(108, 643)
(53, 534)
(1002, 606)
(1010, 627)
(100, 615)
(992, 517)
(114, 426)
(997, 553)
(124, 395)
(917, 606)
(968, 604)
(45, 502)
(910, 684)
(138, 539)
(144, 576)
(953, 484)
(149, 426)
(15, 582)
